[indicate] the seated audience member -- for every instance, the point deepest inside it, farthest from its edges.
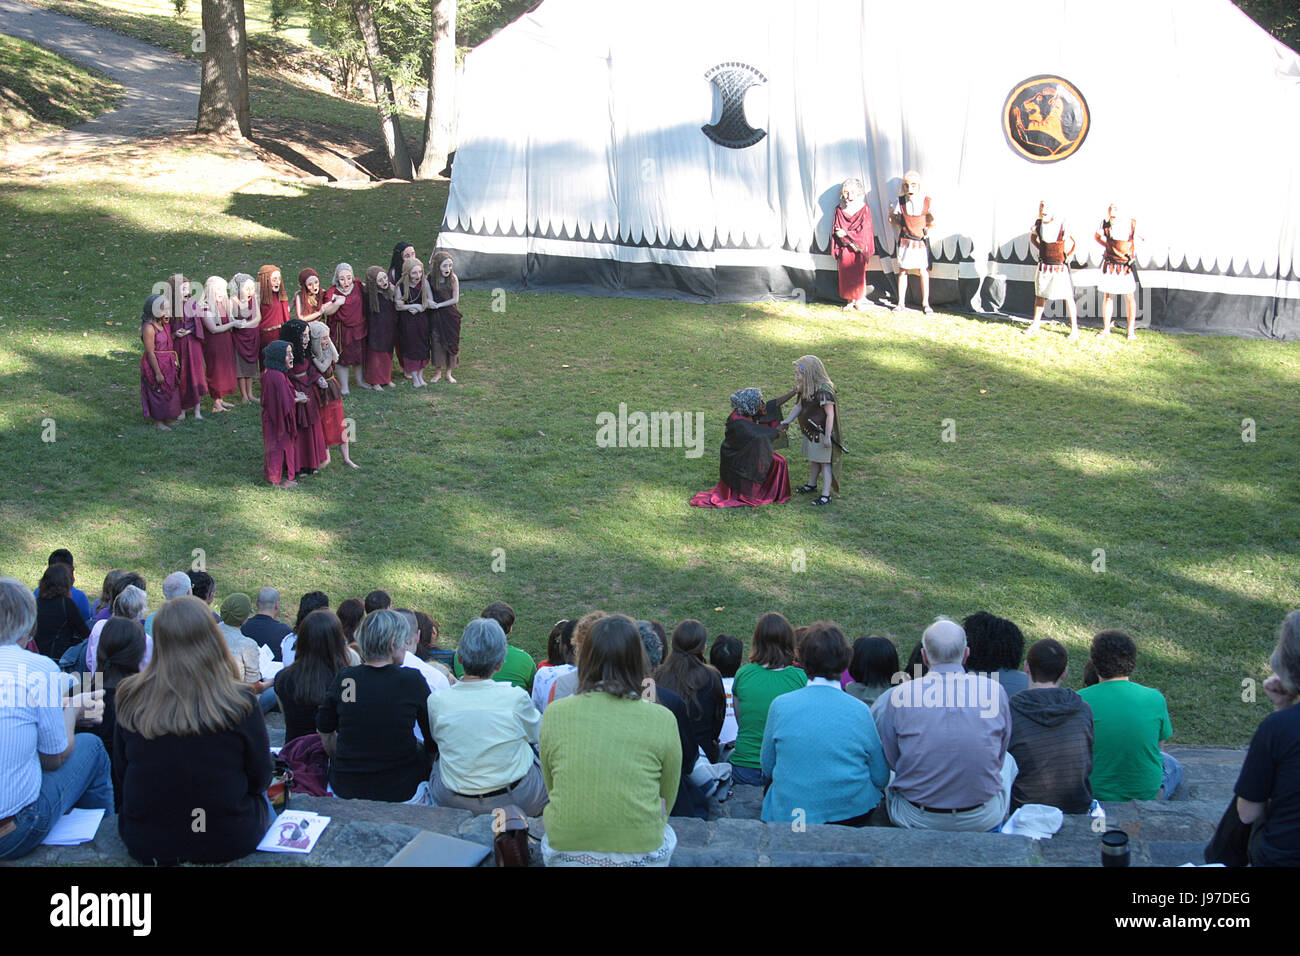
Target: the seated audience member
(378, 601)
(235, 610)
(916, 666)
(485, 731)
(997, 648)
(427, 649)
(64, 556)
(264, 626)
(311, 601)
(611, 760)
(769, 674)
(204, 588)
(559, 661)
(1268, 788)
(367, 729)
(102, 609)
(685, 673)
(566, 685)
(820, 746)
(131, 603)
(435, 678)
(177, 584)
(46, 767)
(519, 666)
(59, 624)
(190, 735)
(725, 656)
(351, 612)
(1051, 735)
(945, 737)
(121, 648)
(1129, 722)
(300, 687)
(1090, 674)
(872, 667)
(699, 777)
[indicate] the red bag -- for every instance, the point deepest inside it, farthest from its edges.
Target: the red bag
(309, 764)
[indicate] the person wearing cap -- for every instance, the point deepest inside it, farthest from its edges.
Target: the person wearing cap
(750, 472)
(235, 610)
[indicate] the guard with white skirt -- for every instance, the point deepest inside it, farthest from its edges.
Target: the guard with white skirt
(913, 218)
(1117, 276)
(1052, 281)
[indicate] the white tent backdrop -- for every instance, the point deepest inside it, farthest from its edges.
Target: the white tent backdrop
(582, 165)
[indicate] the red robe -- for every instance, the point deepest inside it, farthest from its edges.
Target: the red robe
(775, 487)
(161, 398)
(348, 325)
(219, 358)
(311, 436)
(331, 413)
(274, 314)
(279, 427)
(851, 262)
(381, 333)
(194, 376)
(248, 341)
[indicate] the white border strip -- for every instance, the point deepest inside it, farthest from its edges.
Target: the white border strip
(783, 258)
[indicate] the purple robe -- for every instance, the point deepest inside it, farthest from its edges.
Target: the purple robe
(279, 427)
(161, 399)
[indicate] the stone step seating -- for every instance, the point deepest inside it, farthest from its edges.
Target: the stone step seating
(369, 833)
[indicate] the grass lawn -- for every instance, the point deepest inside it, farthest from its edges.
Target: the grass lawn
(41, 92)
(1134, 449)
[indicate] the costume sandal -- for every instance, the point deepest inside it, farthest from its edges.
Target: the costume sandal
(822, 500)
(805, 489)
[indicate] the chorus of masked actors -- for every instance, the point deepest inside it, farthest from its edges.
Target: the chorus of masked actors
(750, 470)
(305, 350)
(852, 243)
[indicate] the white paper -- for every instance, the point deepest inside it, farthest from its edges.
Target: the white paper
(267, 663)
(294, 831)
(77, 826)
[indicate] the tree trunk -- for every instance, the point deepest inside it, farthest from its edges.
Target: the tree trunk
(440, 109)
(398, 154)
(223, 93)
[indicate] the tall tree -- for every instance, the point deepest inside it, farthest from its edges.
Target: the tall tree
(440, 107)
(223, 91)
(398, 154)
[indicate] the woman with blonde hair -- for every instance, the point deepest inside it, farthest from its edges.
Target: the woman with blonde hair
(218, 343)
(246, 317)
(413, 302)
(191, 747)
(444, 317)
(819, 422)
(324, 357)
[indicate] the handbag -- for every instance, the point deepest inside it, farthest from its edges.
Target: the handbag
(510, 842)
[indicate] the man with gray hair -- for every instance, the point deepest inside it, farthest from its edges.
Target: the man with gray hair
(435, 678)
(46, 767)
(264, 627)
(177, 584)
(486, 731)
(945, 736)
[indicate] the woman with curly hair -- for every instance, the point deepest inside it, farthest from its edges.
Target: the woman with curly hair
(997, 648)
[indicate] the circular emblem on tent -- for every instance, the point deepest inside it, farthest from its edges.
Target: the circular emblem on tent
(730, 83)
(1045, 119)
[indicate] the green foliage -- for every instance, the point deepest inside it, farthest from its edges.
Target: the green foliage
(280, 10)
(476, 20)
(1279, 17)
(180, 7)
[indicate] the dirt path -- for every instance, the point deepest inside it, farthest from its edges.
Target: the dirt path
(162, 89)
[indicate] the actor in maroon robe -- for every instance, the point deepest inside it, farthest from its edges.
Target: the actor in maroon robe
(312, 450)
(279, 416)
(274, 304)
(218, 349)
(381, 328)
(852, 243)
(348, 325)
(189, 335)
(444, 321)
(159, 390)
(750, 473)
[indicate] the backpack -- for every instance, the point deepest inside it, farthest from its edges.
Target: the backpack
(309, 764)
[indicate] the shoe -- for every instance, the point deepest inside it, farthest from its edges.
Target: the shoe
(805, 489)
(927, 310)
(822, 500)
